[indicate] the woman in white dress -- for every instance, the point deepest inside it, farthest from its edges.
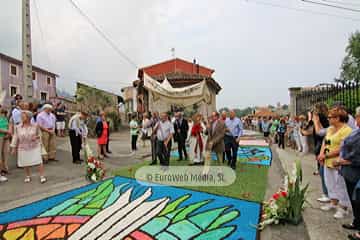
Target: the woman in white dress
(204, 136)
(26, 143)
(190, 142)
(196, 133)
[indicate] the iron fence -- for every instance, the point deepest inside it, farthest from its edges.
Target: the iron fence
(347, 93)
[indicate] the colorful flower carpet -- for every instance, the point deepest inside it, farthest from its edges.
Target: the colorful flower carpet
(255, 155)
(253, 142)
(122, 208)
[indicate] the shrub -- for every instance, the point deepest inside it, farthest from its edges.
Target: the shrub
(115, 120)
(350, 98)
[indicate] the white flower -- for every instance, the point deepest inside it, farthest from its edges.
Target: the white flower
(268, 222)
(88, 150)
(91, 165)
(93, 177)
(294, 171)
(286, 183)
(293, 174)
(273, 205)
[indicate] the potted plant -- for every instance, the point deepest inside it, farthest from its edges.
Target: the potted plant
(286, 205)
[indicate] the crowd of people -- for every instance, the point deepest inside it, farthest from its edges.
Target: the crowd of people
(333, 136)
(197, 138)
(28, 131)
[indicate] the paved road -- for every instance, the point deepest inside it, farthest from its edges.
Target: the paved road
(280, 232)
(319, 224)
(63, 175)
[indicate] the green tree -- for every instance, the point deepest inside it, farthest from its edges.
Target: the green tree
(238, 112)
(271, 107)
(224, 109)
(92, 99)
(350, 68)
(246, 111)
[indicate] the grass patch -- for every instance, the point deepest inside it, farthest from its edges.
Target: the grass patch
(250, 183)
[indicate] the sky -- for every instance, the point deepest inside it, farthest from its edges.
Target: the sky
(258, 48)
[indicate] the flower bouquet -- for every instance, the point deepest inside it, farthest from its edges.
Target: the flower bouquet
(95, 170)
(286, 205)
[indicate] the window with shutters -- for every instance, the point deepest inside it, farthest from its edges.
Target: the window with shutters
(13, 90)
(13, 70)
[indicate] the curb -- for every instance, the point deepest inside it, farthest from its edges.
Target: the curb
(43, 193)
(282, 164)
(318, 224)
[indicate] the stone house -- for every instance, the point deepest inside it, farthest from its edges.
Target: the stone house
(11, 80)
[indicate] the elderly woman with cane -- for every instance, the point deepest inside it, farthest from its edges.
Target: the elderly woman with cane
(26, 142)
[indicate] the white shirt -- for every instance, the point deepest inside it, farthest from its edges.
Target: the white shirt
(189, 131)
(146, 128)
(84, 129)
(16, 116)
(351, 122)
(164, 129)
(121, 108)
(78, 125)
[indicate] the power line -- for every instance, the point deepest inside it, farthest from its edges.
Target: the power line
(304, 11)
(37, 14)
(332, 6)
(103, 35)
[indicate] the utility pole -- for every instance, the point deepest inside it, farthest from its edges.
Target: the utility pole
(26, 51)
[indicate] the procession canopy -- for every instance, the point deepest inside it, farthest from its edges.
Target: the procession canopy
(165, 89)
(175, 88)
(176, 84)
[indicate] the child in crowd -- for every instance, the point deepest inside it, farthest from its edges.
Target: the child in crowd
(133, 133)
(281, 130)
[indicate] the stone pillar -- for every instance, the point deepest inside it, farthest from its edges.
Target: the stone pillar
(294, 91)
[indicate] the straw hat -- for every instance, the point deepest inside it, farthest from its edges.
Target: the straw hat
(302, 117)
(47, 106)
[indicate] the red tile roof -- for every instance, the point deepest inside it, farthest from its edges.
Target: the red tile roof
(180, 73)
(175, 65)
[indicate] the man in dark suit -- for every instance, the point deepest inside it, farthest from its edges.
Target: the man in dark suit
(181, 128)
(215, 141)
